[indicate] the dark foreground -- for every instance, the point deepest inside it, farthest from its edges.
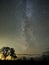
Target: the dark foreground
(30, 62)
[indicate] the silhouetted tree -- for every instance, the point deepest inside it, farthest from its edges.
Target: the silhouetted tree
(12, 53)
(5, 51)
(8, 51)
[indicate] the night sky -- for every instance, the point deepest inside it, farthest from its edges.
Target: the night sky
(24, 25)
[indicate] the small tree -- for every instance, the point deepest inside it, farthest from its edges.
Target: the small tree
(8, 51)
(12, 53)
(5, 51)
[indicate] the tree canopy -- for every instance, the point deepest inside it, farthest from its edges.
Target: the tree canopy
(6, 51)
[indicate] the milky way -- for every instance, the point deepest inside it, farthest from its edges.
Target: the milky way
(24, 25)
